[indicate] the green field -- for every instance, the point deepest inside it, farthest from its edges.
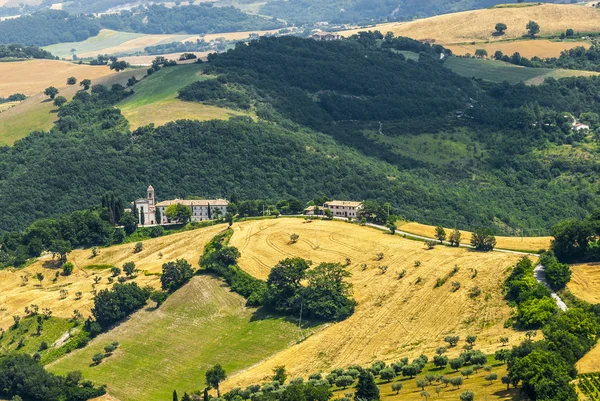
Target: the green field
(155, 99)
(170, 348)
(498, 71)
(105, 39)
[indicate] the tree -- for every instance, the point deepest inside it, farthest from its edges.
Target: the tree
(558, 274)
(129, 268)
(159, 297)
(440, 361)
(366, 389)
(115, 271)
(481, 53)
(214, 376)
(279, 374)
(504, 341)
(86, 83)
(410, 370)
(129, 223)
(40, 277)
(59, 101)
(466, 372)
(67, 269)
(471, 340)
(175, 274)
(440, 234)
(175, 398)
(425, 394)
(569, 32)
(97, 358)
(139, 247)
(397, 387)
(506, 380)
(71, 81)
(455, 238)
(387, 374)
(456, 363)
(467, 395)
(51, 92)
(422, 383)
(60, 248)
(327, 295)
(179, 213)
(533, 28)
(483, 239)
(119, 65)
(456, 381)
(500, 28)
(344, 381)
(491, 377)
(392, 227)
(294, 238)
(452, 340)
(502, 355)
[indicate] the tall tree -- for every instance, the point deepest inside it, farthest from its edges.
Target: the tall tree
(366, 389)
(214, 377)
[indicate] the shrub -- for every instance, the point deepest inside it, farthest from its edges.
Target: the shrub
(294, 238)
(467, 395)
(452, 340)
(139, 247)
(115, 271)
(396, 387)
(97, 358)
(67, 269)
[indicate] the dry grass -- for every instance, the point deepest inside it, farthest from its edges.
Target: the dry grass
(585, 285)
(14, 297)
(33, 76)
(478, 25)
(527, 48)
(38, 114)
(513, 243)
(7, 105)
(394, 317)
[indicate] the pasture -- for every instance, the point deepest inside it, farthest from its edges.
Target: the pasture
(169, 348)
(399, 311)
(498, 71)
(155, 99)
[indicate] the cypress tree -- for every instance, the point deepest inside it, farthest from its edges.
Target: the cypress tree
(366, 389)
(175, 398)
(186, 397)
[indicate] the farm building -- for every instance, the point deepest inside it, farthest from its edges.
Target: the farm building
(344, 208)
(203, 209)
(326, 36)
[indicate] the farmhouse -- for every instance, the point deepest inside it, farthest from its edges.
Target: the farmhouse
(343, 208)
(150, 212)
(326, 36)
(579, 126)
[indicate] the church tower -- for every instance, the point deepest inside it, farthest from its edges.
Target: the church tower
(151, 195)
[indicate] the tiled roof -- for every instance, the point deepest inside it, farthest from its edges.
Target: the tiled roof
(194, 202)
(344, 203)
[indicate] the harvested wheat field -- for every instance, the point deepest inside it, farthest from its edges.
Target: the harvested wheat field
(533, 244)
(33, 76)
(396, 316)
(527, 48)
(14, 297)
(478, 25)
(36, 113)
(585, 282)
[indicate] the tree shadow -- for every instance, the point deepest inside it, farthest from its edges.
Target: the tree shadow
(513, 394)
(264, 313)
(498, 34)
(51, 264)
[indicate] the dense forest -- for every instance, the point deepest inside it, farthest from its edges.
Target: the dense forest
(50, 26)
(23, 52)
(330, 114)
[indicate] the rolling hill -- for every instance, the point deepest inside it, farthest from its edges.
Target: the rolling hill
(395, 316)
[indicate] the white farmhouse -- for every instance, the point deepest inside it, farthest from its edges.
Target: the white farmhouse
(344, 208)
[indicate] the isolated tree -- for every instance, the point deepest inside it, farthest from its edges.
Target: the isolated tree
(279, 374)
(467, 396)
(86, 83)
(452, 340)
(115, 271)
(175, 398)
(366, 389)
(67, 269)
(139, 247)
(533, 28)
(481, 53)
(397, 387)
(214, 376)
(71, 81)
(59, 101)
(51, 92)
(294, 238)
(466, 372)
(483, 239)
(471, 340)
(129, 268)
(500, 28)
(440, 234)
(119, 65)
(422, 383)
(491, 377)
(97, 358)
(159, 297)
(40, 277)
(392, 227)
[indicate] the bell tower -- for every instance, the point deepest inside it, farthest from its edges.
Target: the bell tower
(151, 195)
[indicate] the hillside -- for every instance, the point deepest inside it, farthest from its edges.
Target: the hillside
(478, 25)
(390, 321)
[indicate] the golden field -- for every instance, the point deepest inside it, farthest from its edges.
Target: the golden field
(527, 48)
(395, 317)
(533, 244)
(33, 76)
(14, 297)
(478, 25)
(585, 285)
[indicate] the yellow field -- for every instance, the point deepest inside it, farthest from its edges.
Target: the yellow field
(527, 48)
(585, 285)
(37, 114)
(14, 298)
(478, 25)
(33, 76)
(513, 243)
(147, 60)
(394, 317)
(7, 105)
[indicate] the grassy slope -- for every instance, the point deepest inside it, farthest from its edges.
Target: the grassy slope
(38, 114)
(105, 39)
(170, 348)
(155, 99)
(395, 317)
(496, 71)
